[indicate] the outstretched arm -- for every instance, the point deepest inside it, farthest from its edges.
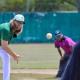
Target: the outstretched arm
(4, 45)
(60, 53)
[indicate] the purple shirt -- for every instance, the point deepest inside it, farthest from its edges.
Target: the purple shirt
(65, 44)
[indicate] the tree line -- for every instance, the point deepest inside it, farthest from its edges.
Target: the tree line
(40, 5)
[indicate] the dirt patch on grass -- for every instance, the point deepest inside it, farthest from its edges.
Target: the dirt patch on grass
(34, 71)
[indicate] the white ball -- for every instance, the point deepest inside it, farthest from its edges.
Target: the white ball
(48, 35)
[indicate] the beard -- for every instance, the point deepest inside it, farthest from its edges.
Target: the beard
(15, 30)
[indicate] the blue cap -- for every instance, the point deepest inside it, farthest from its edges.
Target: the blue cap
(58, 34)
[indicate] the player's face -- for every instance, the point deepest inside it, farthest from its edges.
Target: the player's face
(59, 37)
(17, 26)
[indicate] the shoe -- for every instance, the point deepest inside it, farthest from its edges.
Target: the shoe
(58, 76)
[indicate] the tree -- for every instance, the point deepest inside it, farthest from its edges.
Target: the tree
(78, 5)
(15, 5)
(54, 5)
(40, 5)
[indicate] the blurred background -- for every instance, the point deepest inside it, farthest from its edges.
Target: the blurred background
(41, 17)
(39, 5)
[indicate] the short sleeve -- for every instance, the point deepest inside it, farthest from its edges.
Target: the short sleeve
(69, 42)
(56, 44)
(4, 34)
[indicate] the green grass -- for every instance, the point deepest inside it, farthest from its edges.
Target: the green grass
(40, 56)
(34, 56)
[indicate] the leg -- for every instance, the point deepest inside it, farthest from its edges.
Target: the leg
(60, 69)
(62, 65)
(6, 65)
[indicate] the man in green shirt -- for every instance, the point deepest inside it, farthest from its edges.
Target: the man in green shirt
(7, 32)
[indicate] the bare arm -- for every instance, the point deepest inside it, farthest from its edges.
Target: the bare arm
(4, 45)
(59, 50)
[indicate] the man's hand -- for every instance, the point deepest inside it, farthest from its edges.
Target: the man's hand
(16, 57)
(61, 58)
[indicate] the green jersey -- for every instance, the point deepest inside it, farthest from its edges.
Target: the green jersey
(5, 32)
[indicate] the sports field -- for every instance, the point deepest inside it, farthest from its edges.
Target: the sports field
(34, 56)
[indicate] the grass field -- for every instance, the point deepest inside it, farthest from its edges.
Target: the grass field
(34, 56)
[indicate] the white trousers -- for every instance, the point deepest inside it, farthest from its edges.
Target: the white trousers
(5, 64)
